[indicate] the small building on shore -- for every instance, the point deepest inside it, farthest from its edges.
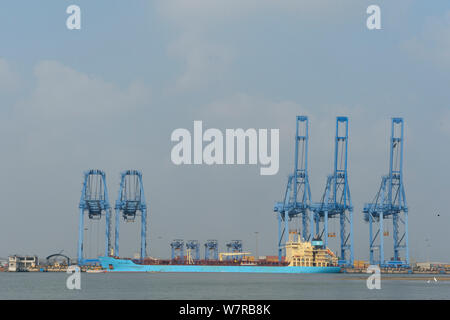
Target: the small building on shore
(22, 263)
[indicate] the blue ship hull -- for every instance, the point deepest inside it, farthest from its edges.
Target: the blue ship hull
(123, 265)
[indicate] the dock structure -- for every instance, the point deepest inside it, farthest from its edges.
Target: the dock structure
(297, 197)
(390, 204)
(309, 220)
(95, 202)
(130, 203)
(177, 250)
(192, 250)
(211, 250)
(336, 202)
(234, 248)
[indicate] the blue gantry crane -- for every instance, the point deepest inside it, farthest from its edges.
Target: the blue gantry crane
(336, 201)
(234, 246)
(297, 197)
(193, 246)
(212, 250)
(177, 248)
(390, 203)
(130, 202)
(95, 202)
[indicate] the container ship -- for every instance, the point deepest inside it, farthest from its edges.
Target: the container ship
(301, 257)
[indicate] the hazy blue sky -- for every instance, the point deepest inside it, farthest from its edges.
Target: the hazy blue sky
(109, 95)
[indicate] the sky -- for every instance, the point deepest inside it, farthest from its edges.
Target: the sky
(109, 95)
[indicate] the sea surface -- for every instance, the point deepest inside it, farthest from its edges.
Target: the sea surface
(203, 286)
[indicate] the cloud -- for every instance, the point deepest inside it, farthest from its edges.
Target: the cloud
(62, 92)
(73, 112)
(432, 44)
(205, 62)
(205, 57)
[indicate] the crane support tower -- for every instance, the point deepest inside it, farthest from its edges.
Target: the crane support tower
(95, 202)
(297, 197)
(336, 201)
(177, 247)
(234, 246)
(130, 201)
(212, 247)
(390, 203)
(193, 246)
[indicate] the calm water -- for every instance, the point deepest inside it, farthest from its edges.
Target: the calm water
(218, 286)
